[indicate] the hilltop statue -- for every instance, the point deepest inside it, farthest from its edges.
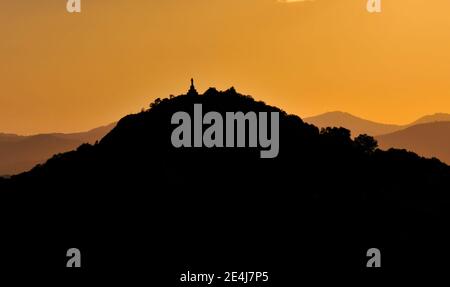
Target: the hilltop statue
(192, 91)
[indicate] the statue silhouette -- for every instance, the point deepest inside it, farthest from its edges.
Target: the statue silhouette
(192, 91)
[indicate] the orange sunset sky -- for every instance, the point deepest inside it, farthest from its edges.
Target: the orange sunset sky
(62, 72)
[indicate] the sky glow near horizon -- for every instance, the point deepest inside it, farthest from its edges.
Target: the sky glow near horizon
(65, 72)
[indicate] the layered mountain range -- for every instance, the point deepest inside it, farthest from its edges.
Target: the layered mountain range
(21, 153)
(429, 136)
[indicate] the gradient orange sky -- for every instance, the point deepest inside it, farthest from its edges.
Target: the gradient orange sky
(72, 72)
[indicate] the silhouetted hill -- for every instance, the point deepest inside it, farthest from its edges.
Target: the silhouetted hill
(355, 124)
(439, 117)
(134, 189)
(428, 140)
(21, 153)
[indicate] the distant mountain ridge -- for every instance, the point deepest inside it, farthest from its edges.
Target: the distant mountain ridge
(355, 124)
(438, 117)
(359, 125)
(430, 139)
(21, 153)
(429, 136)
(9, 137)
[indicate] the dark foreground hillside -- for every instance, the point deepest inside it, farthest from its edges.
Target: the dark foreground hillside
(135, 201)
